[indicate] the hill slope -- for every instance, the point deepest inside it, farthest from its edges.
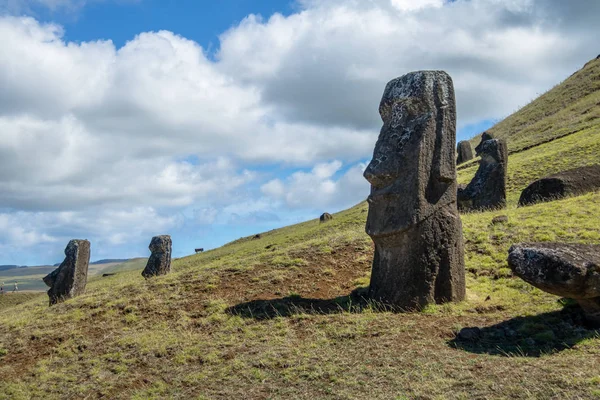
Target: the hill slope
(282, 316)
(572, 106)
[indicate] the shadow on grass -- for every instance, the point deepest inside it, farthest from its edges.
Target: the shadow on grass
(284, 307)
(530, 336)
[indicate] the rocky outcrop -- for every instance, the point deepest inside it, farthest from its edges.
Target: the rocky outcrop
(485, 136)
(567, 183)
(325, 217)
(487, 190)
(413, 219)
(159, 262)
(70, 278)
(464, 152)
(567, 270)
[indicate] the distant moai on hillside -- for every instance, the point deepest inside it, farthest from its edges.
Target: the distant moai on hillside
(70, 278)
(464, 152)
(413, 218)
(159, 262)
(325, 217)
(485, 136)
(487, 190)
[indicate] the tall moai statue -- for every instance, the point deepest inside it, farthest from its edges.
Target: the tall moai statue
(464, 152)
(413, 218)
(70, 278)
(159, 262)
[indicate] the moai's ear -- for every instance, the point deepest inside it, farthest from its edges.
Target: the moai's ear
(445, 164)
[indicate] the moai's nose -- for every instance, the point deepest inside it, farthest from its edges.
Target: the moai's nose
(376, 177)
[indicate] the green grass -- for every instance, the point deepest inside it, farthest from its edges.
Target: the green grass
(10, 299)
(27, 278)
(30, 278)
(282, 316)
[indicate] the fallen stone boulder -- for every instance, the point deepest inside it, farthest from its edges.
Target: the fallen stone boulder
(325, 217)
(70, 278)
(159, 262)
(412, 219)
(487, 190)
(567, 183)
(567, 270)
(485, 136)
(464, 152)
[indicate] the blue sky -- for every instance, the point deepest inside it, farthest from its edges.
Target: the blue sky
(200, 120)
(201, 21)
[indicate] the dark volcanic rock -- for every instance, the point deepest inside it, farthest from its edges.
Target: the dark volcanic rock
(567, 183)
(568, 270)
(70, 278)
(487, 190)
(485, 136)
(469, 334)
(412, 217)
(464, 151)
(159, 262)
(325, 217)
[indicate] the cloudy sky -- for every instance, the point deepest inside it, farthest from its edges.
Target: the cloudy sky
(212, 120)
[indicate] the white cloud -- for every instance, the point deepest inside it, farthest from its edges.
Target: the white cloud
(320, 187)
(158, 126)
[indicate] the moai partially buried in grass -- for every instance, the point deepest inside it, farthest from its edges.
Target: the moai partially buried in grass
(487, 190)
(159, 262)
(70, 278)
(413, 219)
(568, 270)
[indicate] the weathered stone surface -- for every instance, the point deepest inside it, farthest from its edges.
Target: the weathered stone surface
(469, 334)
(325, 217)
(70, 278)
(485, 136)
(464, 152)
(567, 270)
(487, 190)
(159, 262)
(412, 217)
(567, 183)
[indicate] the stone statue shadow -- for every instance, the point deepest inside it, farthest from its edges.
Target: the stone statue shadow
(354, 302)
(529, 336)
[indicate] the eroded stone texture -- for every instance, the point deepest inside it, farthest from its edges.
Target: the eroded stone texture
(413, 219)
(567, 183)
(464, 152)
(485, 136)
(159, 262)
(70, 278)
(325, 217)
(567, 270)
(487, 190)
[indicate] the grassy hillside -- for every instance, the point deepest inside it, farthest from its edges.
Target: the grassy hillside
(284, 316)
(30, 278)
(572, 106)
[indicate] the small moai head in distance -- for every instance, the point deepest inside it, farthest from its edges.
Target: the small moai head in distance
(493, 151)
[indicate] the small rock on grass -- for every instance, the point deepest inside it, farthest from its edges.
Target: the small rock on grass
(500, 219)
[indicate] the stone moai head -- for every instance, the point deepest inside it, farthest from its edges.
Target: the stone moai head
(493, 151)
(413, 170)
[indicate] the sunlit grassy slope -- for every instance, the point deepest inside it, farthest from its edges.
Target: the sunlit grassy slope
(283, 317)
(30, 278)
(570, 107)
